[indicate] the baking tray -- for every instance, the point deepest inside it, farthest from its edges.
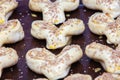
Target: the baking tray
(85, 65)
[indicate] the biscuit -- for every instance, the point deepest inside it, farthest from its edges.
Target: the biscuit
(41, 79)
(103, 24)
(6, 9)
(12, 27)
(78, 76)
(53, 12)
(109, 58)
(108, 76)
(57, 37)
(54, 67)
(8, 58)
(111, 7)
(98, 22)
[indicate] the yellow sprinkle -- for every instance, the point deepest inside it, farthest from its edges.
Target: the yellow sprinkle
(118, 68)
(97, 69)
(2, 21)
(96, 22)
(110, 70)
(33, 15)
(67, 15)
(52, 47)
(56, 21)
(60, 32)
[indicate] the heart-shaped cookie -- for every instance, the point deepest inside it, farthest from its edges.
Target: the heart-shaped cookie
(53, 66)
(53, 12)
(57, 37)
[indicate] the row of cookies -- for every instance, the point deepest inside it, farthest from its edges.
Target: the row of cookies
(105, 23)
(100, 23)
(53, 13)
(42, 61)
(11, 31)
(109, 63)
(54, 67)
(78, 76)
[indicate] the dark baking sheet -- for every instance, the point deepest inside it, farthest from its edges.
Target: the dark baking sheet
(85, 65)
